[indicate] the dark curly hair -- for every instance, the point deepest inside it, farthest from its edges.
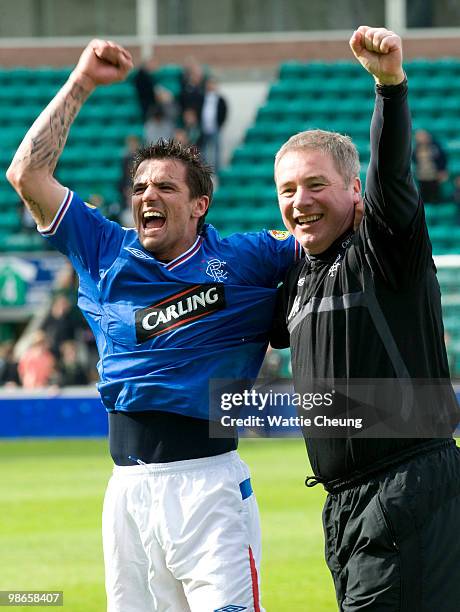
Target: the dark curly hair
(198, 174)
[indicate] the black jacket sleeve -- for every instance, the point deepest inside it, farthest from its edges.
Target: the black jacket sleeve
(393, 231)
(221, 111)
(391, 196)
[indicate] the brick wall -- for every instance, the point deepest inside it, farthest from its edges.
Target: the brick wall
(233, 54)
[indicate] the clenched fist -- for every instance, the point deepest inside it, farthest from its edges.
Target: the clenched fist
(380, 53)
(101, 63)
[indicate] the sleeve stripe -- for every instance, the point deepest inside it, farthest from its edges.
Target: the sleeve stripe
(52, 228)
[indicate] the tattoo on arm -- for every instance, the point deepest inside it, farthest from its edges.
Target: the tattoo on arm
(35, 209)
(47, 137)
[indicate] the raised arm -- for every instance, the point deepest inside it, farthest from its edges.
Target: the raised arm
(31, 171)
(391, 194)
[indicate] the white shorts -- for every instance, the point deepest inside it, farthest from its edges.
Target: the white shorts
(182, 537)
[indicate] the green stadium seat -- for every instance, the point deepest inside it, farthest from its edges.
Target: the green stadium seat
(292, 70)
(22, 116)
(441, 214)
(169, 71)
(254, 153)
(9, 219)
(92, 174)
(83, 155)
(51, 76)
(238, 196)
(445, 233)
(122, 93)
(254, 218)
(7, 193)
(15, 76)
(23, 242)
(449, 280)
(11, 94)
(247, 174)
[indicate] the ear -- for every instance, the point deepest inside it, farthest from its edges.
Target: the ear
(358, 202)
(200, 206)
(356, 188)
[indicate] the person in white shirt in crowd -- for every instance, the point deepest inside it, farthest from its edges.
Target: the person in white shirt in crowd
(213, 116)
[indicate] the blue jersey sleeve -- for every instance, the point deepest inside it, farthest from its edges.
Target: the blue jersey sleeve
(280, 250)
(275, 252)
(89, 240)
(264, 257)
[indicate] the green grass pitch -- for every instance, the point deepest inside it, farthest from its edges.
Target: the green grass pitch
(50, 515)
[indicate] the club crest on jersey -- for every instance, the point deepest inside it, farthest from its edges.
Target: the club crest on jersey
(335, 266)
(215, 271)
(279, 234)
(179, 309)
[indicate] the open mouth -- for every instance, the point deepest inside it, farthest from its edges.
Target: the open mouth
(307, 220)
(153, 220)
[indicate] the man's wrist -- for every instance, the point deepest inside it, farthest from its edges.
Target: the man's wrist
(85, 82)
(391, 91)
(391, 80)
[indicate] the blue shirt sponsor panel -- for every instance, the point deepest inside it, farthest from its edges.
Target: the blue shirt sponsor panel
(163, 330)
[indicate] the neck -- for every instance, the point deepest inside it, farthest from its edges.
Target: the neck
(176, 251)
(341, 243)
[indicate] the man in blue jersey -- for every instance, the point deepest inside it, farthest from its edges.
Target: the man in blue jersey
(172, 305)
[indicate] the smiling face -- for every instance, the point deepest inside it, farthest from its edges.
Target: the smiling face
(316, 205)
(165, 215)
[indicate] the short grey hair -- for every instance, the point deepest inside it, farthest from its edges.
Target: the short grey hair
(340, 147)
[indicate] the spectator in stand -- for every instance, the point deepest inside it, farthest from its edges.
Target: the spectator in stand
(212, 117)
(157, 126)
(192, 87)
(8, 366)
(188, 132)
(59, 325)
(37, 366)
(168, 104)
(71, 371)
(180, 135)
(67, 284)
(430, 166)
(144, 82)
(191, 126)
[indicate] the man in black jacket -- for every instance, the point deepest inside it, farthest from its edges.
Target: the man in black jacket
(362, 313)
(144, 83)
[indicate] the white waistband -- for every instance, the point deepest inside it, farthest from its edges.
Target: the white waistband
(176, 466)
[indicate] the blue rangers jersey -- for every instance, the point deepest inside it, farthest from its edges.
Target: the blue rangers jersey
(163, 330)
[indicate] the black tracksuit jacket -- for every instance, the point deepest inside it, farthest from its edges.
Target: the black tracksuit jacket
(370, 306)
